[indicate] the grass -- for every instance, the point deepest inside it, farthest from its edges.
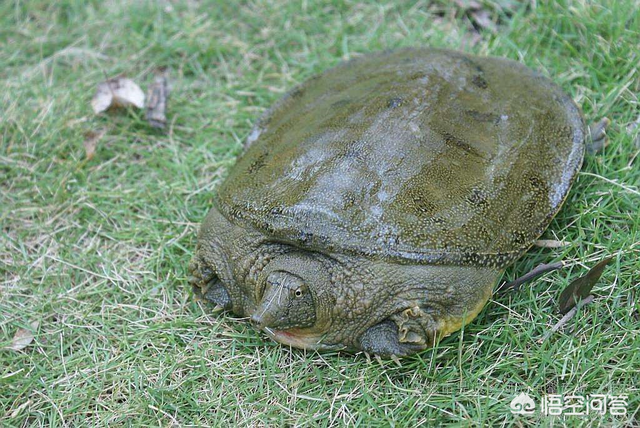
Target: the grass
(97, 250)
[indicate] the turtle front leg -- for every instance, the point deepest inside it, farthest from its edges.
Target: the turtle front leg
(207, 285)
(218, 295)
(598, 136)
(383, 340)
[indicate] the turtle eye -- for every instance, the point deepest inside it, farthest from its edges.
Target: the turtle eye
(298, 292)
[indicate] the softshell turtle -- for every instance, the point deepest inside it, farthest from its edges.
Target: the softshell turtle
(377, 204)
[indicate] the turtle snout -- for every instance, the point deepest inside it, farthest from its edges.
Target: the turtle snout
(256, 320)
(264, 315)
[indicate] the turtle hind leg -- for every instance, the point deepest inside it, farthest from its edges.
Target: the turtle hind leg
(597, 136)
(382, 339)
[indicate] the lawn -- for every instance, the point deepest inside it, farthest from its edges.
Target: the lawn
(96, 250)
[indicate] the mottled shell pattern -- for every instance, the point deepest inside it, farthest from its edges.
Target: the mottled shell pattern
(418, 155)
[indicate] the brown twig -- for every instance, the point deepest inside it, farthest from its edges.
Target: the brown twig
(157, 100)
(531, 275)
(550, 243)
(565, 319)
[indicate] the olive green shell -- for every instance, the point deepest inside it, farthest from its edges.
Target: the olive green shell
(421, 155)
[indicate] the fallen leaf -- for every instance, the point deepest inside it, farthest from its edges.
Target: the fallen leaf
(19, 409)
(23, 337)
(631, 129)
(118, 92)
(483, 19)
(598, 140)
(633, 125)
(550, 243)
(157, 95)
(580, 288)
(467, 4)
(91, 139)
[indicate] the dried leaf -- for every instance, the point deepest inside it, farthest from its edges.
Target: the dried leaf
(91, 139)
(580, 288)
(157, 104)
(467, 4)
(598, 136)
(633, 125)
(483, 19)
(550, 243)
(631, 129)
(118, 92)
(23, 337)
(19, 409)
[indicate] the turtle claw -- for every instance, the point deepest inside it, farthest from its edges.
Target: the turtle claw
(207, 286)
(216, 293)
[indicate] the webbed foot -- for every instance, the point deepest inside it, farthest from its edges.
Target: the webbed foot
(218, 295)
(382, 339)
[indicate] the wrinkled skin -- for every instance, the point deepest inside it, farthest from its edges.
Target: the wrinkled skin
(378, 204)
(350, 294)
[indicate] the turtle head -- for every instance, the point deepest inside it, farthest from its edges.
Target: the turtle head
(287, 302)
(294, 300)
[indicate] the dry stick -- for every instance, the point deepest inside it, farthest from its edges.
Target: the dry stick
(565, 319)
(550, 243)
(157, 100)
(532, 274)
